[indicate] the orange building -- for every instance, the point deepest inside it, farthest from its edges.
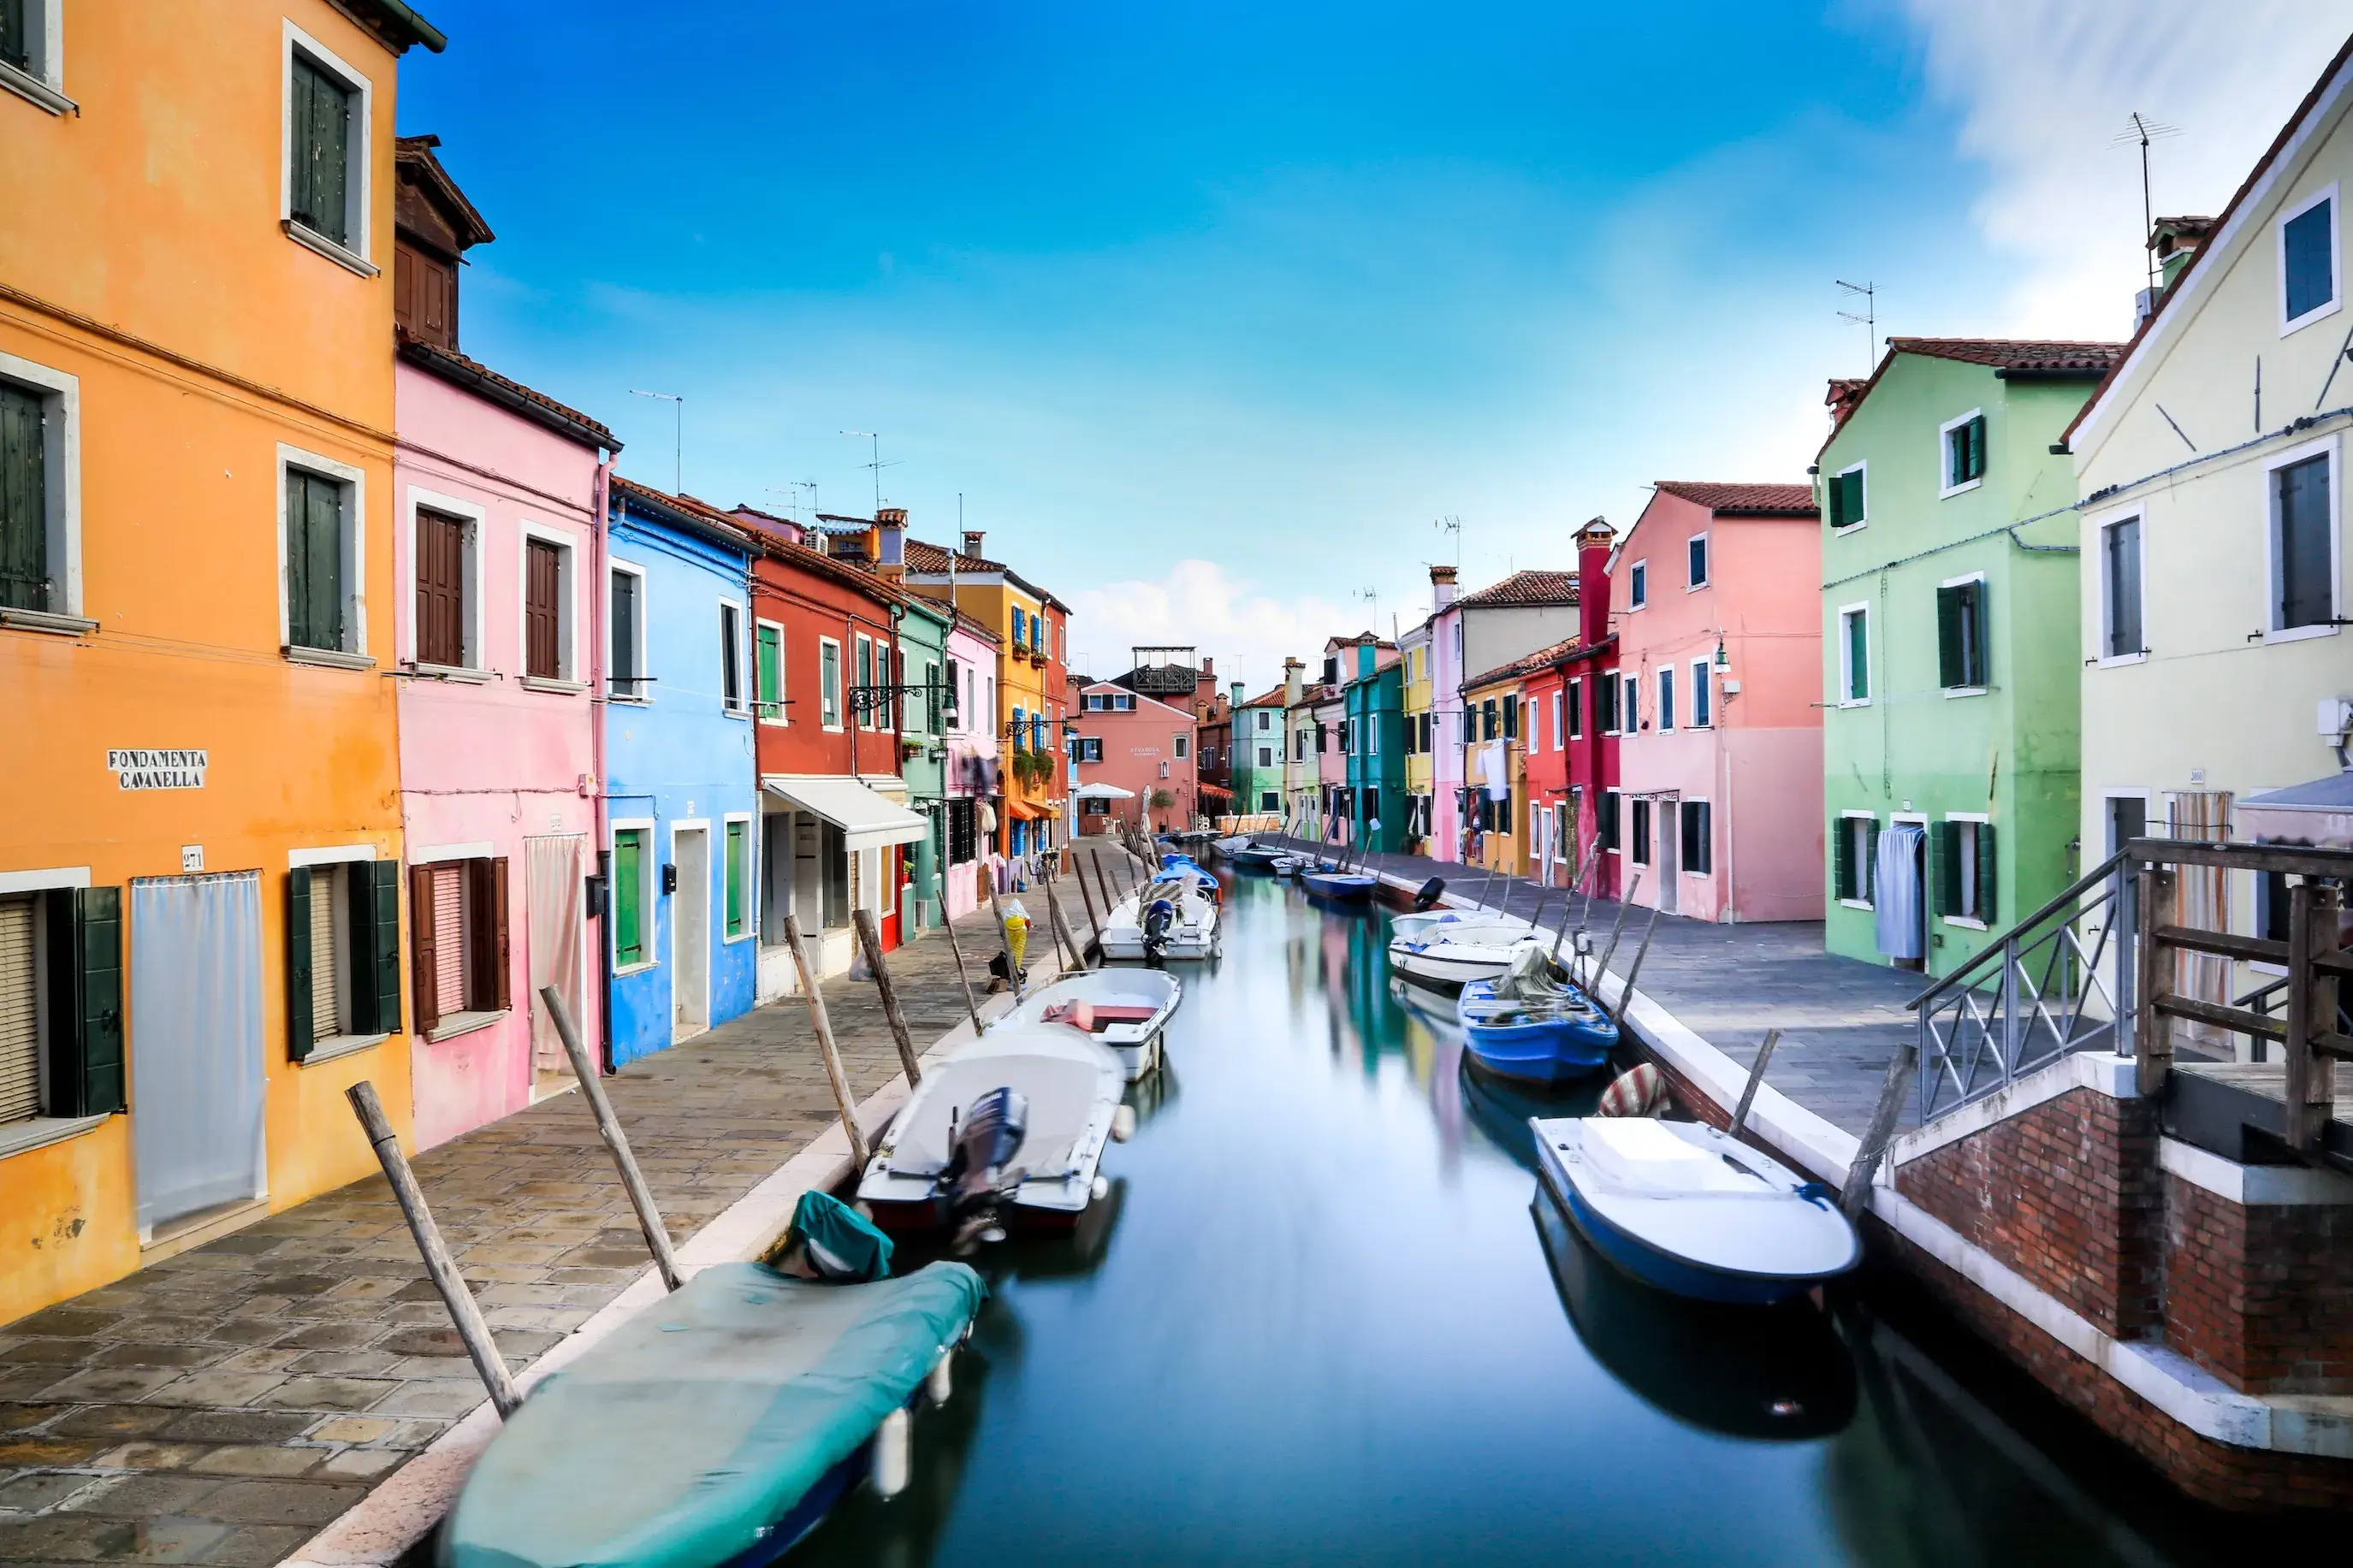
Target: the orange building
(200, 824)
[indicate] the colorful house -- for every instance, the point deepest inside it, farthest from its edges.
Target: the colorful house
(681, 798)
(196, 619)
(1214, 722)
(1327, 710)
(498, 552)
(1135, 742)
(1258, 753)
(1571, 690)
(1951, 661)
(1469, 633)
(969, 821)
(1301, 753)
(1494, 772)
(1417, 720)
(1373, 727)
(1716, 597)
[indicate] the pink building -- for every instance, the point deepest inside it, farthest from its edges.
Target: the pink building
(497, 493)
(971, 765)
(1137, 744)
(1716, 595)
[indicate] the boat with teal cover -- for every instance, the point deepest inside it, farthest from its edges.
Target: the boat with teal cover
(713, 1427)
(1533, 1023)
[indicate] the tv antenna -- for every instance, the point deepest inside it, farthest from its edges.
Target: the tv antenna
(790, 489)
(1373, 598)
(878, 465)
(1453, 525)
(1868, 320)
(2140, 132)
(678, 434)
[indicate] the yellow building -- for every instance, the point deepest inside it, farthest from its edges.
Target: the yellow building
(195, 621)
(1493, 717)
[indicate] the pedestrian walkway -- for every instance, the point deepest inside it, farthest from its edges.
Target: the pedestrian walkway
(1842, 1021)
(222, 1406)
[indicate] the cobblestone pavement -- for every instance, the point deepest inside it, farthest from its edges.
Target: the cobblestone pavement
(223, 1405)
(1842, 1020)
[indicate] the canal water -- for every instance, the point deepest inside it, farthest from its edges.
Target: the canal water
(1327, 1317)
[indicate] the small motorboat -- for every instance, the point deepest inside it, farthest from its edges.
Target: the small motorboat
(1414, 927)
(717, 1426)
(1255, 856)
(1456, 952)
(1685, 1207)
(1532, 1024)
(1185, 867)
(1122, 1010)
(1168, 917)
(1231, 844)
(1006, 1131)
(1332, 882)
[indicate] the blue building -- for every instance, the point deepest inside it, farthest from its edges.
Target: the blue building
(681, 801)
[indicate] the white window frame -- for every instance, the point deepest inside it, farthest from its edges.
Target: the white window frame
(1183, 746)
(2148, 798)
(741, 653)
(1968, 923)
(1702, 695)
(644, 681)
(835, 699)
(1863, 468)
(2328, 446)
(1846, 656)
(1638, 584)
(45, 83)
(648, 893)
(61, 472)
(353, 653)
(865, 644)
(1707, 560)
(1617, 808)
(750, 873)
(1665, 699)
(1574, 693)
(1559, 719)
(784, 681)
(1692, 800)
(2327, 193)
(359, 186)
(1979, 579)
(473, 657)
(567, 592)
(2100, 653)
(1867, 877)
(1946, 492)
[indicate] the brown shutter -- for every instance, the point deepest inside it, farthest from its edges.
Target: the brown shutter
(440, 589)
(542, 575)
(488, 986)
(423, 938)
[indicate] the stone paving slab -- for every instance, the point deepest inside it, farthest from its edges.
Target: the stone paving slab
(222, 1406)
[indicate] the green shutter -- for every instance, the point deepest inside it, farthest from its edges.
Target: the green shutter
(1949, 662)
(297, 963)
(1985, 883)
(1858, 656)
(15, 40)
(736, 835)
(1842, 857)
(86, 1075)
(314, 560)
(374, 917)
(24, 501)
(768, 672)
(1977, 429)
(1946, 839)
(628, 898)
(1867, 874)
(322, 118)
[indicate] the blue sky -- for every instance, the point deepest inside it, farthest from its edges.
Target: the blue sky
(1208, 311)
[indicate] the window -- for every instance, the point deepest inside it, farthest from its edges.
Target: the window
(1490, 719)
(1264, 719)
(1638, 585)
(1269, 801)
(1641, 832)
(1097, 808)
(546, 598)
(731, 657)
(1666, 698)
(1854, 656)
(343, 954)
(2127, 819)
(1695, 560)
(321, 535)
(1961, 635)
(2120, 589)
(625, 672)
(326, 194)
(1020, 627)
(458, 936)
(632, 895)
(1575, 709)
(1698, 839)
(1559, 722)
(1123, 702)
(739, 877)
(443, 547)
(2303, 544)
(34, 67)
(1630, 717)
(60, 1000)
(828, 682)
(1089, 748)
(1965, 869)
(1607, 810)
(2307, 261)
(1605, 703)
(768, 671)
(1854, 855)
(1843, 498)
(1266, 753)
(1702, 695)
(1965, 452)
(1510, 711)
(40, 492)
(930, 724)
(1183, 746)
(866, 720)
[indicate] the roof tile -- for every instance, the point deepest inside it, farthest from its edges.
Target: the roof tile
(1745, 500)
(1524, 590)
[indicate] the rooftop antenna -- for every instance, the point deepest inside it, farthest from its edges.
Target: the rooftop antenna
(677, 437)
(1453, 525)
(878, 465)
(790, 489)
(2141, 131)
(1868, 321)
(1373, 598)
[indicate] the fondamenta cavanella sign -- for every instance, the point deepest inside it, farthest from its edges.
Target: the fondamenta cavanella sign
(155, 767)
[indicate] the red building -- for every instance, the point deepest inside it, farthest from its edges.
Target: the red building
(1571, 752)
(1138, 743)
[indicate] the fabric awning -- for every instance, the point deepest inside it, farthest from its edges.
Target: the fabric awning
(2317, 815)
(867, 821)
(1021, 810)
(1102, 792)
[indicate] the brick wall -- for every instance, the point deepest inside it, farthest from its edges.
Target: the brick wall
(2261, 1296)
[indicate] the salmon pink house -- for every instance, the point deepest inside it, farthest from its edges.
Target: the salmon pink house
(1716, 592)
(497, 493)
(1138, 744)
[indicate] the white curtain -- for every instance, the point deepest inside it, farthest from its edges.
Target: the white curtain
(552, 921)
(1896, 890)
(195, 1043)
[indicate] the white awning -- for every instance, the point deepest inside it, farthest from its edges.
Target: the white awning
(867, 821)
(1102, 792)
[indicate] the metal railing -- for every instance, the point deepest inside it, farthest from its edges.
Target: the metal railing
(2056, 983)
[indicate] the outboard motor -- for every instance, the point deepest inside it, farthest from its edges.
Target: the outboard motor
(1159, 920)
(1426, 898)
(976, 1180)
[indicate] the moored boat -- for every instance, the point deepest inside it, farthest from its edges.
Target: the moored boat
(1532, 1024)
(1168, 917)
(1456, 952)
(1325, 883)
(1122, 1010)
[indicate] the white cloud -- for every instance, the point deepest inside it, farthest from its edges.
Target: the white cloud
(1201, 605)
(2043, 87)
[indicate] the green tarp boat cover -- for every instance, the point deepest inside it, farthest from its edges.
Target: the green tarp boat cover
(841, 1242)
(703, 1419)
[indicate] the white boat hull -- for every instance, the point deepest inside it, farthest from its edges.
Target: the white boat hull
(1136, 1043)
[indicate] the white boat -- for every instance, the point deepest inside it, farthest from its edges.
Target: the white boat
(1416, 926)
(1683, 1206)
(1458, 953)
(924, 1172)
(1122, 1010)
(1230, 843)
(1168, 917)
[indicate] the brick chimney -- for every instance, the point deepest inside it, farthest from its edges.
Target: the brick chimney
(1441, 586)
(889, 538)
(972, 538)
(1593, 542)
(1292, 680)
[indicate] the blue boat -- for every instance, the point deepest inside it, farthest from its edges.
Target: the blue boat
(1531, 1024)
(1335, 884)
(1685, 1208)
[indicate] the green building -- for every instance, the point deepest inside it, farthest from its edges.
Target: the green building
(1374, 733)
(1951, 651)
(1258, 755)
(923, 628)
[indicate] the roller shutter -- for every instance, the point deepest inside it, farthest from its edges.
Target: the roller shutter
(20, 1032)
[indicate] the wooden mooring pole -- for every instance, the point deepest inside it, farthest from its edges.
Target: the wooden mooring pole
(1625, 903)
(1756, 1080)
(608, 1127)
(1860, 1175)
(964, 979)
(825, 1048)
(1094, 920)
(871, 941)
(1626, 997)
(465, 1312)
(1062, 928)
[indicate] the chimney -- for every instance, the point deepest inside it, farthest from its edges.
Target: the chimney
(1238, 699)
(1841, 399)
(1292, 671)
(1593, 542)
(972, 538)
(2172, 243)
(891, 543)
(1441, 586)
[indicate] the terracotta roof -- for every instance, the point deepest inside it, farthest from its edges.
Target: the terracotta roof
(1541, 658)
(2015, 353)
(932, 560)
(416, 154)
(2221, 222)
(686, 511)
(1744, 501)
(474, 376)
(1319, 692)
(1524, 590)
(1272, 698)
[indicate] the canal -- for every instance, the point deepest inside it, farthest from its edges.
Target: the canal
(1327, 1317)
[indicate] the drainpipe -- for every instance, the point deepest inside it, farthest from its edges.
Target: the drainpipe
(599, 649)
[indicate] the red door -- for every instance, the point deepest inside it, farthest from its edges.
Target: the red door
(890, 897)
